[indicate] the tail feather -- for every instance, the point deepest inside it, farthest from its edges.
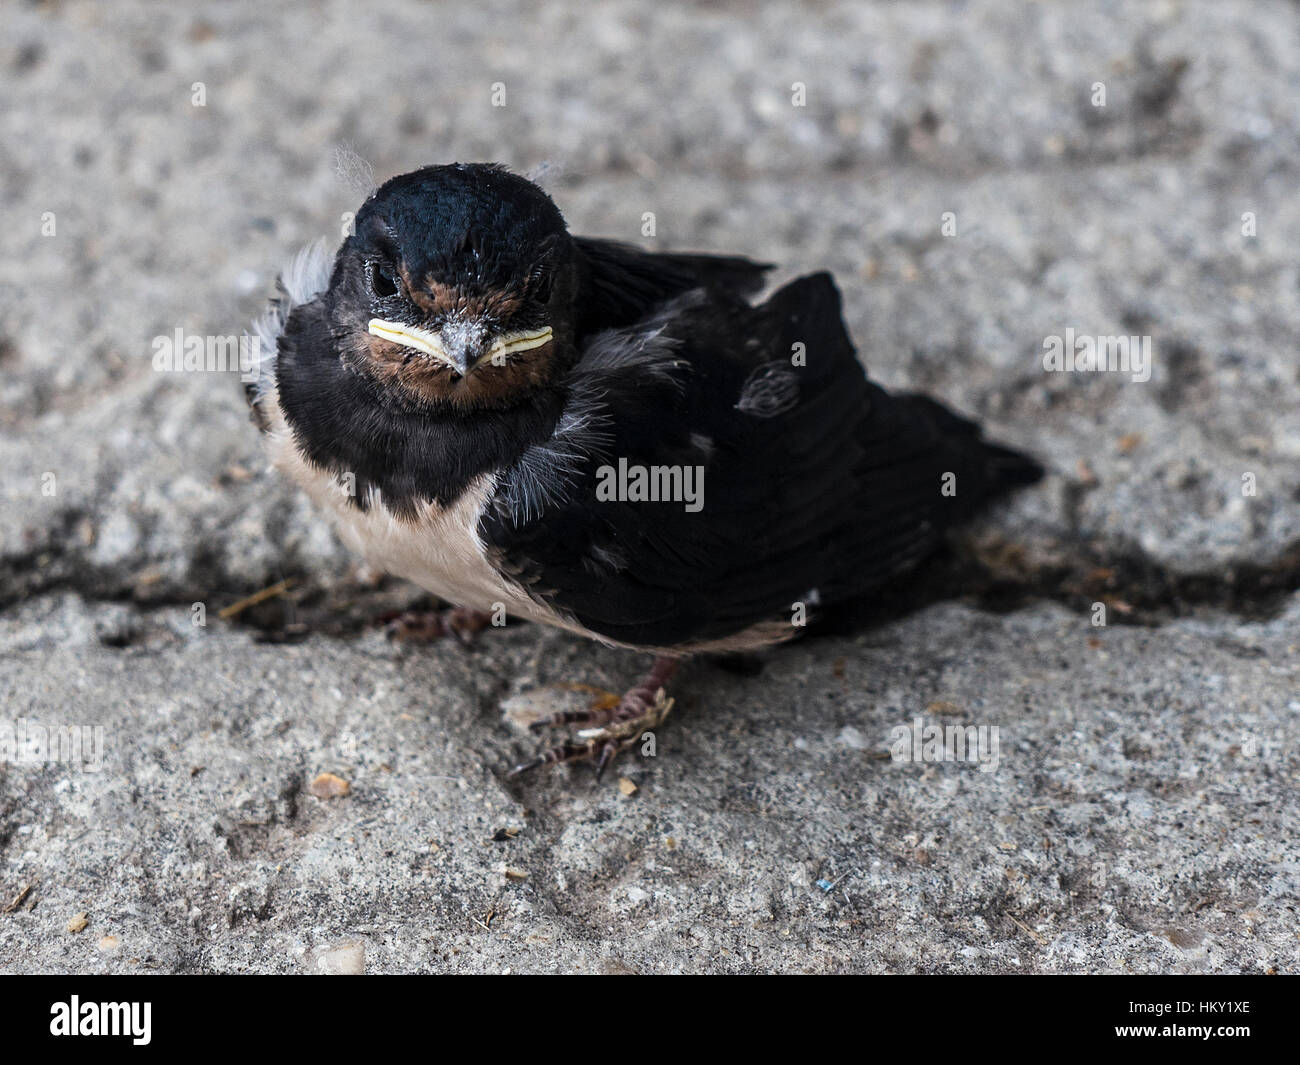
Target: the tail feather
(1004, 468)
(1010, 468)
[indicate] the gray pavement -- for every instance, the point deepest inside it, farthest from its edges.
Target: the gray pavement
(1140, 815)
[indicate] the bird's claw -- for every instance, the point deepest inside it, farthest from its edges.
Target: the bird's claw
(606, 731)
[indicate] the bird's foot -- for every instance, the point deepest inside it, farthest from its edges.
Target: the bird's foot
(608, 725)
(426, 626)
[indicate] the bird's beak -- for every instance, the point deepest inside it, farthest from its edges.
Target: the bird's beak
(463, 350)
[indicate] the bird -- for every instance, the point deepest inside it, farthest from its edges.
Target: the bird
(625, 444)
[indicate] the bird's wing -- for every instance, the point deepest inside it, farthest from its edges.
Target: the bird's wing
(816, 484)
(622, 283)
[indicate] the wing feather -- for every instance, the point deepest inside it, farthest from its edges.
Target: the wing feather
(818, 497)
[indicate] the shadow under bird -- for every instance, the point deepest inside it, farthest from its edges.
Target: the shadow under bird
(616, 442)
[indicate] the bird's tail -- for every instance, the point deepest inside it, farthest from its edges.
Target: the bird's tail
(1003, 469)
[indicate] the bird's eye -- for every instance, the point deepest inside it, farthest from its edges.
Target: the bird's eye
(542, 289)
(382, 281)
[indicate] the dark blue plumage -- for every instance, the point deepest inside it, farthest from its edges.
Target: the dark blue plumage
(478, 373)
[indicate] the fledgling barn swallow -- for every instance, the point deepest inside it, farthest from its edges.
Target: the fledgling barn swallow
(608, 440)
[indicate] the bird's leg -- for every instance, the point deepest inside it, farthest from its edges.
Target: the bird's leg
(606, 730)
(426, 626)
(632, 706)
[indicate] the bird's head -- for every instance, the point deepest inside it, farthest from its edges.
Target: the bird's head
(457, 288)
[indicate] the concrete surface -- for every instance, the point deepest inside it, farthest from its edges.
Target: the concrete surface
(1141, 816)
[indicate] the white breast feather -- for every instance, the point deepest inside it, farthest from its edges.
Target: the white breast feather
(439, 549)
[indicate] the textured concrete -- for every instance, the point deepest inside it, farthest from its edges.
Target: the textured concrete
(1141, 815)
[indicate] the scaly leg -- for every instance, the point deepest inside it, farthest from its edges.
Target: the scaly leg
(607, 730)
